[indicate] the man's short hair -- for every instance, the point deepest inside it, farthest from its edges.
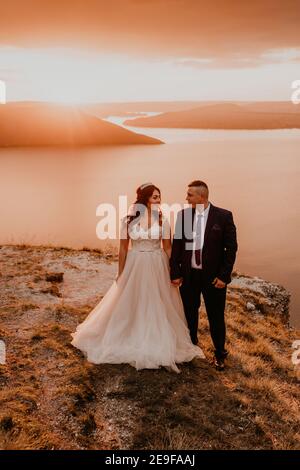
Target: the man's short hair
(203, 188)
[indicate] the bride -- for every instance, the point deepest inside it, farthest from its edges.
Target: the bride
(140, 320)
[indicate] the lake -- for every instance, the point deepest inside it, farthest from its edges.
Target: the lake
(50, 196)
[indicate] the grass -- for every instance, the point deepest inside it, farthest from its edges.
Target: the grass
(52, 398)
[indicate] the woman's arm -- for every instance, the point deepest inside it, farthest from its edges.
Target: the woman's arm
(166, 239)
(167, 246)
(123, 249)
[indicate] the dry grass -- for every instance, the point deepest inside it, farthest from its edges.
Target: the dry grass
(51, 398)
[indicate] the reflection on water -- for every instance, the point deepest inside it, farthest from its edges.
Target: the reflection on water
(51, 195)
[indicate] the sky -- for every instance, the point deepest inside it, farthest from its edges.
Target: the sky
(73, 51)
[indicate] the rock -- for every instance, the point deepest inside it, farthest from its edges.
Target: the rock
(53, 290)
(263, 297)
(6, 423)
(250, 306)
(54, 277)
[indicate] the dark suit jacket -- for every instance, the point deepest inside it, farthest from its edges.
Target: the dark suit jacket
(219, 249)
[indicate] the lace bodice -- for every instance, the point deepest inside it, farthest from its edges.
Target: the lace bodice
(147, 239)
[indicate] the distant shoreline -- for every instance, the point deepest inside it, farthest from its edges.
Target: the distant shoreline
(226, 116)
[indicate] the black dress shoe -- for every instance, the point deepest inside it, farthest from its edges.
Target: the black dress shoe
(222, 354)
(219, 363)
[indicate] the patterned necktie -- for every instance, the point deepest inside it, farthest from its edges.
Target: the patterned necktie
(198, 251)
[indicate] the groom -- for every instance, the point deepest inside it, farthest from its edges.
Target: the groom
(203, 254)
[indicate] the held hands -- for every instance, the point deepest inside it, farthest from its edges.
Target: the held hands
(218, 283)
(177, 282)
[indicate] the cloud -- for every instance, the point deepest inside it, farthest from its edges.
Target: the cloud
(238, 61)
(216, 30)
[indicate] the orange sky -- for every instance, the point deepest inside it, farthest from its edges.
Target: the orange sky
(99, 50)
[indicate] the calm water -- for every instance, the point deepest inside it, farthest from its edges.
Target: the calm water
(51, 196)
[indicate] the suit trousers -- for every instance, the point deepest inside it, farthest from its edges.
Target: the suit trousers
(214, 299)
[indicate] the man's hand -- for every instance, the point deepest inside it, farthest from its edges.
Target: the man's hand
(177, 282)
(218, 283)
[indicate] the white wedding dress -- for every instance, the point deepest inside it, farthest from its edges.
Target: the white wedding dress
(140, 320)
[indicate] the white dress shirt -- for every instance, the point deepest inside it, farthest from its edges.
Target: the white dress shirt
(203, 216)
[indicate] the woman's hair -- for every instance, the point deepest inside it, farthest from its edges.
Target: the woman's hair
(143, 194)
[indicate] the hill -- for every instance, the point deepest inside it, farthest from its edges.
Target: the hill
(39, 124)
(51, 398)
(254, 116)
